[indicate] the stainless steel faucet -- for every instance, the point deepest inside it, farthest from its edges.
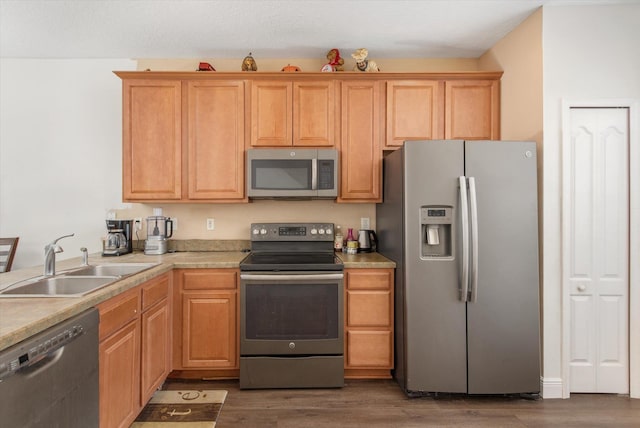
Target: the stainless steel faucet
(50, 255)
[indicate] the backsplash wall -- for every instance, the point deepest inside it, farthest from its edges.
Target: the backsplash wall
(232, 221)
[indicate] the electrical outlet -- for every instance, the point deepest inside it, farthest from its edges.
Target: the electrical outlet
(211, 225)
(364, 223)
(175, 223)
(137, 223)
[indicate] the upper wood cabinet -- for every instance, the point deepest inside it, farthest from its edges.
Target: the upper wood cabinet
(414, 111)
(360, 148)
(152, 140)
(183, 140)
(472, 110)
(285, 113)
(215, 139)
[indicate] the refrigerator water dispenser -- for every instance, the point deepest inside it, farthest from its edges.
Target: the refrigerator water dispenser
(436, 231)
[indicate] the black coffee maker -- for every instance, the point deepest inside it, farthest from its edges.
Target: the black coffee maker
(119, 239)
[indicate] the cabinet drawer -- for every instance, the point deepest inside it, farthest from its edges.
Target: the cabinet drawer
(369, 279)
(369, 349)
(116, 312)
(369, 308)
(207, 279)
(155, 290)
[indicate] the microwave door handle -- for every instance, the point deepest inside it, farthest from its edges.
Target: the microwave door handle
(314, 174)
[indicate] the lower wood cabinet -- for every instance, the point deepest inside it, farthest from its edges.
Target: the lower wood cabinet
(368, 323)
(135, 339)
(206, 323)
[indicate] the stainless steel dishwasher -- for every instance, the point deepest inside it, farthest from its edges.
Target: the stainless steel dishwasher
(51, 379)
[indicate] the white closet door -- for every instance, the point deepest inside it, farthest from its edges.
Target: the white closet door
(597, 252)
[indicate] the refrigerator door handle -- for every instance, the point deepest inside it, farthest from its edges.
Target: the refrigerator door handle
(464, 216)
(473, 208)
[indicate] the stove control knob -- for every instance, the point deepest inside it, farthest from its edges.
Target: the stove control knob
(292, 345)
(256, 231)
(321, 231)
(314, 231)
(263, 231)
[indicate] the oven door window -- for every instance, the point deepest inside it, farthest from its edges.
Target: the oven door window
(292, 312)
(274, 174)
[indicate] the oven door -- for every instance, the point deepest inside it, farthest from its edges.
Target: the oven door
(291, 313)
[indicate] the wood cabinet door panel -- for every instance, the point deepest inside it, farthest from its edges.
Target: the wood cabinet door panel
(369, 309)
(215, 139)
(120, 377)
(414, 111)
(271, 114)
(369, 279)
(152, 139)
(369, 349)
(360, 152)
(156, 347)
(209, 331)
(472, 110)
(313, 114)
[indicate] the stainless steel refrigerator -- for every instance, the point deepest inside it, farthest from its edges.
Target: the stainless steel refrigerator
(459, 218)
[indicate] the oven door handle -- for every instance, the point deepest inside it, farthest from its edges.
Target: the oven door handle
(277, 277)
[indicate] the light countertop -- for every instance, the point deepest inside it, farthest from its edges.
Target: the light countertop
(21, 318)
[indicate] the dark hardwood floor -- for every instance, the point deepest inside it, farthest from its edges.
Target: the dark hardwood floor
(381, 403)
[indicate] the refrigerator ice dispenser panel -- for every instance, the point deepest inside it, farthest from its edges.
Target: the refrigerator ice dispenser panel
(436, 231)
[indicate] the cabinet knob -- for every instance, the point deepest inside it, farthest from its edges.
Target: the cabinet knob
(582, 287)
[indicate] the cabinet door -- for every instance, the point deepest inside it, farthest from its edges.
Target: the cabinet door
(155, 359)
(414, 111)
(271, 114)
(472, 110)
(215, 140)
(152, 136)
(120, 377)
(313, 114)
(209, 330)
(360, 151)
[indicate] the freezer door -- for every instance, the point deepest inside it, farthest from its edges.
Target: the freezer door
(503, 316)
(434, 318)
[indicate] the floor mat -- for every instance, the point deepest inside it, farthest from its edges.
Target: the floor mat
(182, 409)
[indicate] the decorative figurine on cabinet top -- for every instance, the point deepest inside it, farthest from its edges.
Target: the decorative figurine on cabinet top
(362, 63)
(249, 64)
(335, 61)
(205, 66)
(291, 68)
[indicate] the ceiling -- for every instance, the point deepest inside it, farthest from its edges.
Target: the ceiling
(267, 28)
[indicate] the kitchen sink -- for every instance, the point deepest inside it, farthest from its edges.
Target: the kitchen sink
(110, 269)
(75, 282)
(59, 286)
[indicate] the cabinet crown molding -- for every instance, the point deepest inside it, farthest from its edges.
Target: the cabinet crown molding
(274, 75)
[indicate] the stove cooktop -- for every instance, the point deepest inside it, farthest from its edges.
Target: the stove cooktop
(291, 262)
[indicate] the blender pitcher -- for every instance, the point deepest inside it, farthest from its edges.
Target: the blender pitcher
(159, 229)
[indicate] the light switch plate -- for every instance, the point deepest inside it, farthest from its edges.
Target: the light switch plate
(364, 223)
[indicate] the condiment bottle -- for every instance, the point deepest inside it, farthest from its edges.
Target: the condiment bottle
(338, 240)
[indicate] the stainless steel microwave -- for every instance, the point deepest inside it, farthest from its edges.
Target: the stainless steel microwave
(292, 173)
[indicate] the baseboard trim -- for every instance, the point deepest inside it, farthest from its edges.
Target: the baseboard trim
(551, 387)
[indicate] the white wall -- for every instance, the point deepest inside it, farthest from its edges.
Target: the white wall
(60, 152)
(590, 52)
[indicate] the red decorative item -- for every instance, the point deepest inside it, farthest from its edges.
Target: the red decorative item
(205, 66)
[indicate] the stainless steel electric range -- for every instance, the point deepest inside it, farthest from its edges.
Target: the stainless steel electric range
(291, 308)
